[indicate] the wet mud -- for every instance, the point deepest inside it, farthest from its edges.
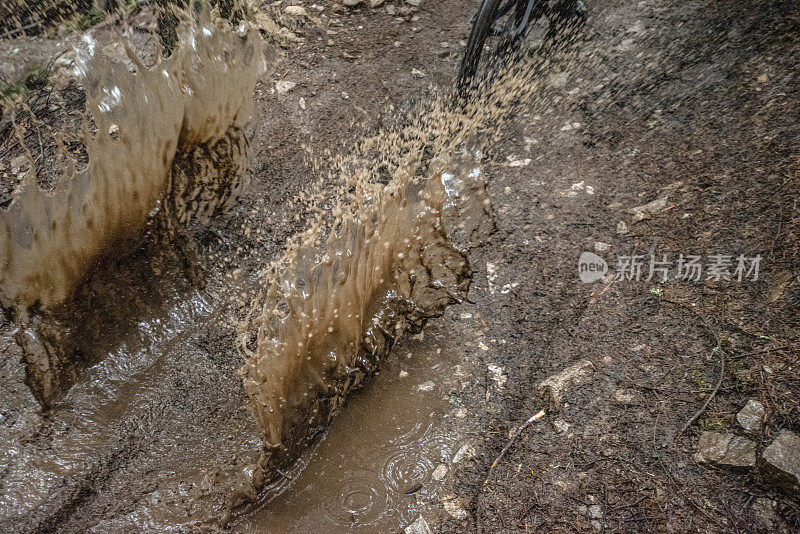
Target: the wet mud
(160, 426)
(166, 145)
(374, 468)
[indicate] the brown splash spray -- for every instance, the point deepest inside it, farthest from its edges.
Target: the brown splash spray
(326, 322)
(173, 131)
(396, 256)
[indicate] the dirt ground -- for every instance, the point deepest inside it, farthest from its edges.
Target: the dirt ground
(696, 102)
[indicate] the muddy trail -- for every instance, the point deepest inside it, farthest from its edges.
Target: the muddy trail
(490, 384)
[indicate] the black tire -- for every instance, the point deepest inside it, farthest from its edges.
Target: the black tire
(481, 29)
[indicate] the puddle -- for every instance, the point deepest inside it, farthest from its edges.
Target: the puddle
(155, 434)
(372, 471)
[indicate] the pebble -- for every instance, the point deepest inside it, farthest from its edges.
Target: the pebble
(643, 212)
(751, 417)
(440, 472)
(426, 386)
(726, 449)
(284, 86)
(452, 505)
(553, 388)
(18, 163)
(498, 375)
(419, 526)
(625, 397)
(466, 452)
(513, 162)
(561, 426)
(782, 459)
(296, 10)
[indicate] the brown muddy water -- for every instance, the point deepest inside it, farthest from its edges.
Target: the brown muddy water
(373, 471)
(149, 433)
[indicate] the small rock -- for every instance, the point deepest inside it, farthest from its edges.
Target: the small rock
(391, 10)
(625, 45)
(726, 449)
(296, 10)
(284, 86)
(419, 526)
(302, 103)
(403, 374)
(440, 472)
(553, 388)
(558, 81)
(418, 73)
(599, 246)
(65, 60)
(594, 513)
(637, 27)
(414, 3)
(561, 426)
(751, 417)
(498, 375)
(625, 397)
(378, 3)
(452, 505)
(513, 162)
(622, 227)
(782, 459)
(466, 452)
(265, 22)
(426, 386)
(643, 212)
(351, 3)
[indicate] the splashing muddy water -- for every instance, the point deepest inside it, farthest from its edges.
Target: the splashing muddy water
(392, 254)
(175, 130)
(374, 468)
(329, 320)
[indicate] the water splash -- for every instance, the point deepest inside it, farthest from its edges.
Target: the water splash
(333, 308)
(391, 256)
(170, 137)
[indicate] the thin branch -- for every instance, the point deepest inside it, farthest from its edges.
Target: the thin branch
(511, 441)
(711, 396)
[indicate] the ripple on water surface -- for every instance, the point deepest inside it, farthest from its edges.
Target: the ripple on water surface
(372, 471)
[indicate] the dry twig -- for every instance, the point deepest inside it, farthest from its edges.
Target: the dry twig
(511, 441)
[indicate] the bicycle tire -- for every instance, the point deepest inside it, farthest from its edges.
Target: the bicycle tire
(481, 29)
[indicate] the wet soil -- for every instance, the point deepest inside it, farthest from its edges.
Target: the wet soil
(693, 101)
